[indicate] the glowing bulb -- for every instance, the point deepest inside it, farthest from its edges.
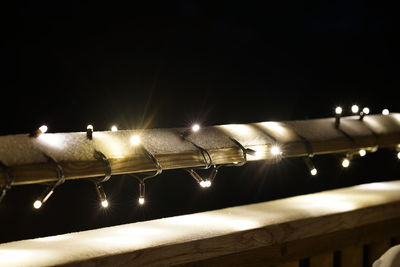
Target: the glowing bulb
(276, 150)
(104, 203)
(43, 128)
(205, 184)
(314, 172)
(338, 110)
(345, 163)
(37, 204)
(366, 110)
(114, 128)
(398, 155)
(141, 200)
(385, 112)
(89, 127)
(355, 109)
(362, 152)
(135, 140)
(195, 127)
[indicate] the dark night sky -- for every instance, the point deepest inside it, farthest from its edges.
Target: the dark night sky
(169, 65)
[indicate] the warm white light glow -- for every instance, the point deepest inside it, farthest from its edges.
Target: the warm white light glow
(56, 141)
(114, 128)
(141, 200)
(89, 127)
(345, 163)
(362, 152)
(366, 110)
(37, 204)
(385, 112)
(104, 203)
(338, 110)
(276, 150)
(195, 127)
(135, 140)
(205, 184)
(314, 172)
(398, 155)
(355, 109)
(43, 128)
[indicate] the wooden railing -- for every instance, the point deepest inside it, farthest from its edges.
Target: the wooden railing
(74, 152)
(344, 227)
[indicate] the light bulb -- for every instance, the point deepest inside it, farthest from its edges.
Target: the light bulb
(89, 127)
(366, 110)
(114, 128)
(141, 200)
(104, 203)
(37, 204)
(338, 110)
(43, 128)
(314, 172)
(205, 183)
(362, 152)
(345, 163)
(398, 155)
(135, 140)
(276, 150)
(385, 112)
(355, 109)
(195, 127)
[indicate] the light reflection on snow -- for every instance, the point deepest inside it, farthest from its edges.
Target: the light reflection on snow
(110, 145)
(56, 141)
(238, 129)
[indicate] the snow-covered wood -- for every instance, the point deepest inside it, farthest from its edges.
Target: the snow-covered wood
(271, 232)
(75, 152)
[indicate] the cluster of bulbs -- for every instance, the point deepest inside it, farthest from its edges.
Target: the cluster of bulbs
(355, 110)
(135, 141)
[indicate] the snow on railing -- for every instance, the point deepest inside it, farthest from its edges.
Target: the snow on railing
(52, 158)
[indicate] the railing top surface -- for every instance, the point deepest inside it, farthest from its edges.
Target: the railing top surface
(186, 238)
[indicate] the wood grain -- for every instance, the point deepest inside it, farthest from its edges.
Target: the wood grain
(322, 135)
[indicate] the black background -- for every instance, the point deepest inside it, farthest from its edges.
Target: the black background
(67, 65)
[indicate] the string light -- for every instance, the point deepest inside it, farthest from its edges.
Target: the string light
(276, 150)
(345, 163)
(398, 155)
(314, 172)
(355, 109)
(142, 190)
(311, 166)
(135, 140)
(195, 127)
(338, 114)
(362, 152)
(141, 200)
(205, 183)
(114, 128)
(385, 112)
(43, 197)
(37, 204)
(41, 130)
(89, 132)
(102, 195)
(364, 112)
